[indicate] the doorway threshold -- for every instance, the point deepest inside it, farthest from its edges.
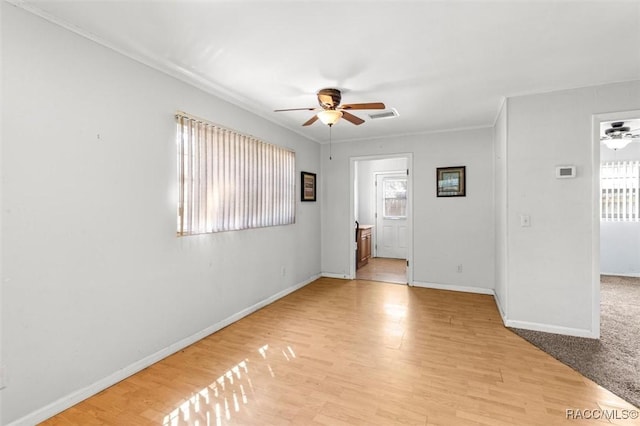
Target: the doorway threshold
(384, 269)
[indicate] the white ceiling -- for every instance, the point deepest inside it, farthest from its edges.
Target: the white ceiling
(442, 64)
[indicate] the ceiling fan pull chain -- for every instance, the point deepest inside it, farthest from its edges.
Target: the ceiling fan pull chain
(330, 156)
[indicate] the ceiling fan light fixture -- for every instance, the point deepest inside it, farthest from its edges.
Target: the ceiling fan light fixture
(617, 143)
(329, 116)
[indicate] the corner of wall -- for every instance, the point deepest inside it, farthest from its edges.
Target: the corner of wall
(2, 372)
(500, 203)
(2, 368)
(501, 311)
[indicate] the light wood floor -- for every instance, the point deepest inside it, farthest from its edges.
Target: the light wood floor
(384, 269)
(354, 352)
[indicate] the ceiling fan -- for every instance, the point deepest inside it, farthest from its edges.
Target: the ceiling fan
(619, 136)
(331, 110)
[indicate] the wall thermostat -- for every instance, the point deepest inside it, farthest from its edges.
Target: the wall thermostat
(563, 172)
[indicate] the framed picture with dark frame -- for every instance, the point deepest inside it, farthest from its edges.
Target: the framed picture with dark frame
(308, 183)
(451, 181)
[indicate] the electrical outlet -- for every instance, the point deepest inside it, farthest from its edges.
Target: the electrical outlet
(283, 271)
(460, 268)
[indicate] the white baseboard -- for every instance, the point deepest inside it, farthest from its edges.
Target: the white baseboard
(461, 288)
(578, 332)
(503, 315)
(332, 275)
(73, 398)
(615, 274)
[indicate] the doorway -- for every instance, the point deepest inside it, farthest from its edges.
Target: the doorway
(616, 222)
(381, 211)
(391, 215)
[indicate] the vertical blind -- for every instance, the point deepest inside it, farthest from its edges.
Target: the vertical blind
(230, 181)
(620, 191)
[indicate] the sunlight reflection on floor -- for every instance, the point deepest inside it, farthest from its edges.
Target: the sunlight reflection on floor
(217, 402)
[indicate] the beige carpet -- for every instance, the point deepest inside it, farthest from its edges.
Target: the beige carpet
(613, 361)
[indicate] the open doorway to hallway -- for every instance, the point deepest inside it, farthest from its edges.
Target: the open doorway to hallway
(381, 206)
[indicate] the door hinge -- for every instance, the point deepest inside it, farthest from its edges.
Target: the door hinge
(407, 172)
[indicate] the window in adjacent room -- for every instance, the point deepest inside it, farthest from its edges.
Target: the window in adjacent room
(230, 181)
(395, 198)
(620, 190)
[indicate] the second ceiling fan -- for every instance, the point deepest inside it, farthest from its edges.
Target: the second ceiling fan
(331, 110)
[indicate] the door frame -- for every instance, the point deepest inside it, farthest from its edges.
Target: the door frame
(350, 219)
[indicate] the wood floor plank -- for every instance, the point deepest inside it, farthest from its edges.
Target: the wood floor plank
(355, 352)
(384, 269)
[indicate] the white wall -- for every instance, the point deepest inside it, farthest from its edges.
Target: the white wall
(620, 248)
(620, 241)
(501, 216)
(446, 231)
(550, 263)
(94, 278)
(363, 194)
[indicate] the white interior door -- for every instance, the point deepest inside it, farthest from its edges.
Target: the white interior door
(391, 216)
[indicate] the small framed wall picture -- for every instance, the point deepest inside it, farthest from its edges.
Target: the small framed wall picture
(308, 183)
(451, 181)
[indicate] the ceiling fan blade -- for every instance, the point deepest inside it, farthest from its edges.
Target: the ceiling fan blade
(310, 121)
(296, 109)
(352, 118)
(370, 105)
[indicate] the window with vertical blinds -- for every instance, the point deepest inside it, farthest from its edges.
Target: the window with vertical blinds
(620, 191)
(229, 181)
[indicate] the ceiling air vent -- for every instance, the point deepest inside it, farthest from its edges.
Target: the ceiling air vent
(389, 113)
